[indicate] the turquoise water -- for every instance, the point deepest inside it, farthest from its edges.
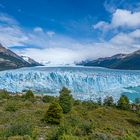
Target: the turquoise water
(135, 93)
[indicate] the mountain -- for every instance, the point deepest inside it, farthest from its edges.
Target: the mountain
(10, 60)
(120, 61)
(31, 61)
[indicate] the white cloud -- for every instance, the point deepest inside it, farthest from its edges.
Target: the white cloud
(50, 46)
(111, 5)
(126, 18)
(102, 25)
(50, 33)
(12, 36)
(62, 50)
(10, 32)
(62, 55)
(38, 29)
(5, 19)
(121, 18)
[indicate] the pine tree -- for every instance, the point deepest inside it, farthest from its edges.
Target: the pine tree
(53, 114)
(65, 100)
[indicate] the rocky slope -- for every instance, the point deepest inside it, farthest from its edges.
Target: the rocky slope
(10, 60)
(120, 61)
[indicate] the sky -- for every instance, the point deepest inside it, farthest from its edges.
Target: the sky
(68, 31)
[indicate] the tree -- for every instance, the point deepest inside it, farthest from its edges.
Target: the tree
(65, 100)
(53, 114)
(99, 101)
(123, 102)
(108, 101)
(29, 95)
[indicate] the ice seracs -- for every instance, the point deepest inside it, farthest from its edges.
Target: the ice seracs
(85, 83)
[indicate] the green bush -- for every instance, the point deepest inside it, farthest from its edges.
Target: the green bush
(48, 99)
(99, 101)
(26, 137)
(53, 114)
(4, 94)
(59, 132)
(86, 128)
(16, 138)
(29, 95)
(11, 106)
(65, 100)
(101, 136)
(19, 129)
(123, 102)
(69, 137)
(77, 102)
(90, 105)
(108, 101)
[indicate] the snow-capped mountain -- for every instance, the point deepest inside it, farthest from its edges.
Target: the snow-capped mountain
(31, 61)
(10, 60)
(120, 61)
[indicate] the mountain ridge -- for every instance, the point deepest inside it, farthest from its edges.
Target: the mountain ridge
(10, 60)
(119, 61)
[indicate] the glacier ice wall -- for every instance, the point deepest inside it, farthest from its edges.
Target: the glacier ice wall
(85, 83)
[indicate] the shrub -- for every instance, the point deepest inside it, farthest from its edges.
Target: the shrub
(99, 101)
(29, 95)
(4, 94)
(65, 100)
(48, 99)
(26, 137)
(16, 138)
(86, 128)
(89, 105)
(108, 101)
(77, 102)
(123, 102)
(53, 114)
(58, 132)
(101, 136)
(68, 137)
(19, 129)
(11, 106)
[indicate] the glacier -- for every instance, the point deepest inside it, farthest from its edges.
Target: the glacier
(84, 82)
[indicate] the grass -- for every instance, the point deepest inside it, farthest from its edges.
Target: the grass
(22, 120)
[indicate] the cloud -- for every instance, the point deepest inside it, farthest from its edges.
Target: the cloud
(126, 18)
(12, 36)
(38, 29)
(50, 33)
(112, 5)
(48, 46)
(63, 50)
(101, 25)
(62, 55)
(121, 18)
(10, 32)
(6, 19)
